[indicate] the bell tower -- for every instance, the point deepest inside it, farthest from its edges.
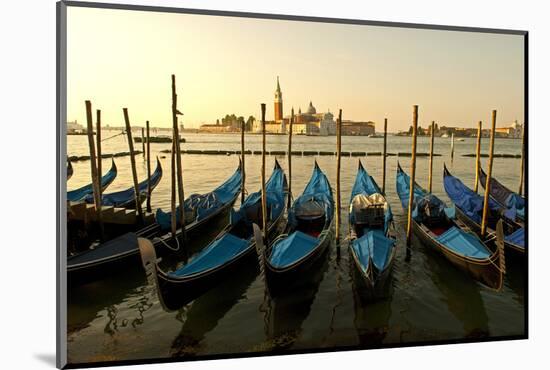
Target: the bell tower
(278, 102)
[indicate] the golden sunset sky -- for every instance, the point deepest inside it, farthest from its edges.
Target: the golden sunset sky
(224, 65)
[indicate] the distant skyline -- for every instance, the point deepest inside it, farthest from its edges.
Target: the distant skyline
(226, 65)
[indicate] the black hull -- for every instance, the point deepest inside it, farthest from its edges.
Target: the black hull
(278, 280)
(372, 289)
(176, 292)
(117, 264)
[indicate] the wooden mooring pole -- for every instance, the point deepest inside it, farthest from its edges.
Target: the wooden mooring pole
(264, 197)
(290, 128)
(143, 142)
(384, 156)
(430, 171)
(243, 174)
(338, 164)
(173, 223)
(489, 174)
(96, 185)
(133, 163)
(179, 174)
(148, 204)
(98, 146)
(520, 192)
(413, 175)
(478, 155)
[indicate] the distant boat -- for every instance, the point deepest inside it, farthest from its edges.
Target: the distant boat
(445, 135)
(460, 139)
(375, 136)
(158, 139)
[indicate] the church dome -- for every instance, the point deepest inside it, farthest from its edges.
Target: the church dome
(311, 109)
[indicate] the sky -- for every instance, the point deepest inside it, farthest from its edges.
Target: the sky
(226, 65)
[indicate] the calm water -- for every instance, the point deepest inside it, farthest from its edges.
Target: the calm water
(120, 318)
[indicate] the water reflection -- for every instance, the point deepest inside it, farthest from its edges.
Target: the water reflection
(461, 294)
(286, 312)
(203, 314)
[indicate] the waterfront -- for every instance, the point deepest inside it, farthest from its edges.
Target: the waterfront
(120, 318)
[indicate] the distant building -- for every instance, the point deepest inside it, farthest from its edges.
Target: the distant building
(354, 128)
(74, 127)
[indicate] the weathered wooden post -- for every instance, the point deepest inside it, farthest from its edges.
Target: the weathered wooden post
(478, 155)
(243, 177)
(384, 155)
(452, 146)
(143, 142)
(98, 141)
(173, 221)
(338, 160)
(96, 186)
(148, 204)
(176, 140)
(522, 160)
(430, 173)
(133, 163)
(264, 196)
(413, 175)
(290, 128)
(489, 174)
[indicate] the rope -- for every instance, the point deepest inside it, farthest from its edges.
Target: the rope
(168, 245)
(122, 133)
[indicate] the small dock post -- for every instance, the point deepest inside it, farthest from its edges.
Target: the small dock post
(489, 174)
(478, 156)
(520, 192)
(412, 179)
(176, 140)
(384, 155)
(430, 173)
(96, 186)
(264, 196)
(148, 157)
(290, 128)
(133, 163)
(243, 174)
(338, 164)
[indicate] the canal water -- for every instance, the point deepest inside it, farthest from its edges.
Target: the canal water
(120, 318)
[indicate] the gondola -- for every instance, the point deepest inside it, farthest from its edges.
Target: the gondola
(232, 249)
(123, 251)
(469, 209)
(83, 192)
(434, 225)
(307, 235)
(372, 233)
(504, 196)
(69, 170)
(126, 198)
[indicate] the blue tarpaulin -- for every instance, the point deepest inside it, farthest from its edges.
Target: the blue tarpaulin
(463, 243)
(517, 237)
(467, 200)
(373, 245)
(205, 204)
(229, 246)
(297, 245)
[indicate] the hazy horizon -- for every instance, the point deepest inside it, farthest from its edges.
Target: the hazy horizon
(226, 65)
